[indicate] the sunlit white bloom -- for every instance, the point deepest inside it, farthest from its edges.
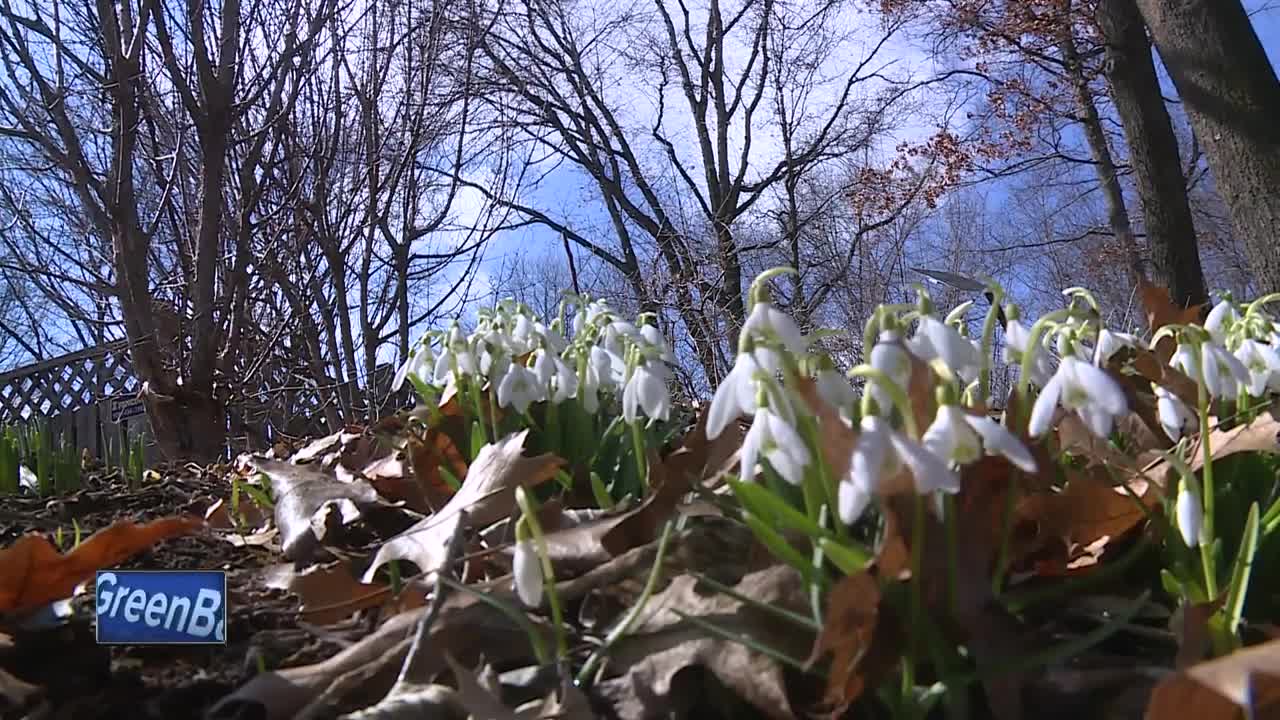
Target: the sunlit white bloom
(1190, 515)
(1110, 343)
(768, 322)
(836, 389)
(881, 452)
(554, 341)
(851, 501)
(1078, 350)
(523, 336)
(961, 438)
(1175, 417)
(646, 392)
(556, 375)
(1262, 363)
(936, 339)
(775, 439)
(1016, 339)
(653, 336)
(1218, 370)
(418, 365)
(520, 388)
(1219, 321)
(891, 358)
(527, 571)
(1083, 389)
(736, 395)
(456, 351)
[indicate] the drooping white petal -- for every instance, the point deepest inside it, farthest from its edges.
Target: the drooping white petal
(786, 437)
(1223, 373)
(996, 439)
(767, 322)
(1101, 388)
(1219, 321)
(1109, 343)
(654, 397)
(730, 399)
(836, 389)
(1186, 358)
(1260, 360)
(1043, 409)
(947, 343)
(1175, 417)
(949, 437)
(527, 572)
(789, 467)
(928, 470)
(753, 443)
(1190, 516)
(851, 501)
(891, 358)
(873, 457)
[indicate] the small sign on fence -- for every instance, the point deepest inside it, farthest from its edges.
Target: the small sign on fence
(123, 408)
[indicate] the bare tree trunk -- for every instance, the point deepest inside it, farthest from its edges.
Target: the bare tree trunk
(1232, 98)
(1095, 134)
(1153, 152)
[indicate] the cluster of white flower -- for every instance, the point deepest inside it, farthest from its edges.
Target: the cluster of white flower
(526, 361)
(1064, 353)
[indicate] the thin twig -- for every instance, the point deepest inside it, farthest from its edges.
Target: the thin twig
(453, 550)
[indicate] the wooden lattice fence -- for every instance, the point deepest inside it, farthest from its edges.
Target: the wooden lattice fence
(89, 399)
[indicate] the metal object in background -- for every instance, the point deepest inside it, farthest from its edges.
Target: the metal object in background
(963, 283)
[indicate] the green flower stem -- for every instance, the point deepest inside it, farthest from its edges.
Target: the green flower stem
(988, 339)
(526, 503)
(624, 627)
(896, 394)
(1006, 532)
(1206, 489)
(916, 602)
(642, 461)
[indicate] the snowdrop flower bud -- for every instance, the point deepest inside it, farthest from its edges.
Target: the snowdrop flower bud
(780, 444)
(1084, 389)
(851, 502)
(522, 335)
(646, 392)
(1262, 363)
(527, 570)
(767, 322)
(1175, 417)
(961, 438)
(653, 336)
(1220, 319)
(1190, 515)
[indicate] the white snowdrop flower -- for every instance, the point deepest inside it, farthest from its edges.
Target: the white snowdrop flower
(1190, 515)
(851, 501)
(936, 339)
(544, 366)
(1016, 339)
(1110, 343)
(653, 336)
(600, 368)
(1223, 372)
(1262, 363)
(774, 438)
(520, 388)
(768, 322)
(1083, 389)
(1175, 417)
(523, 335)
(418, 365)
(881, 452)
(736, 395)
(564, 382)
(961, 438)
(527, 571)
(646, 392)
(553, 340)
(1078, 350)
(456, 350)
(836, 389)
(891, 358)
(1219, 321)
